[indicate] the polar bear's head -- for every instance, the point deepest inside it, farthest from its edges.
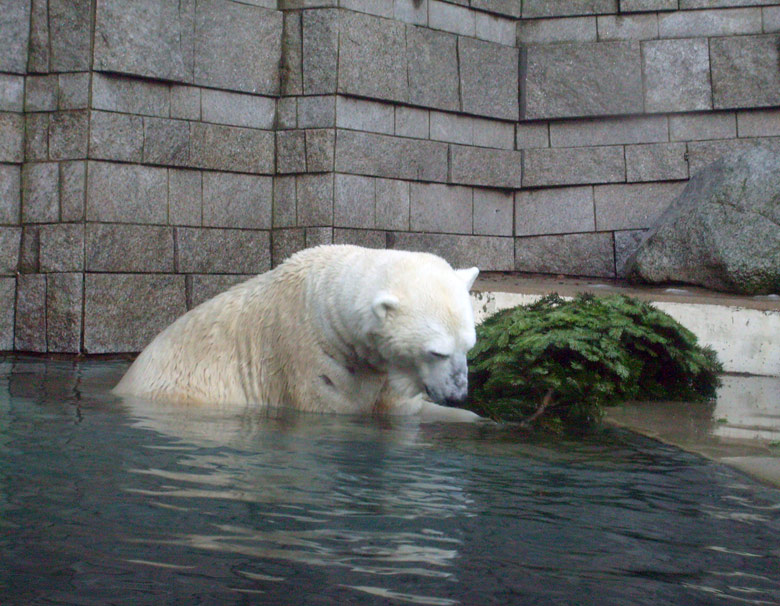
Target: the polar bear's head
(424, 325)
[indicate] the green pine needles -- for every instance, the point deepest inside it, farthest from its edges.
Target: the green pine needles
(555, 364)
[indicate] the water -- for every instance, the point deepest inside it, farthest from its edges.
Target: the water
(111, 502)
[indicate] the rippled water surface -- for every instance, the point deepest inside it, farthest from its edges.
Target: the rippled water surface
(111, 502)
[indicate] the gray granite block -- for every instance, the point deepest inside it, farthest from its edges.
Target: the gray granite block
(14, 36)
(314, 200)
(320, 149)
(590, 254)
(532, 134)
(492, 133)
(573, 166)
(231, 200)
(10, 249)
(227, 251)
(488, 79)
(40, 93)
(127, 193)
(493, 212)
(546, 31)
(628, 27)
(68, 135)
(354, 202)
(730, 22)
(10, 194)
(287, 112)
(489, 253)
(73, 190)
(392, 204)
(39, 50)
(554, 211)
(185, 193)
(702, 153)
(631, 6)
(40, 192)
(316, 236)
(697, 127)
(73, 91)
(11, 137)
(441, 208)
(30, 325)
(64, 304)
(61, 247)
(771, 19)
(29, 251)
(7, 309)
(149, 38)
(367, 238)
(128, 248)
(391, 157)
(316, 111)
(589, 79)
(452, 128)
(291, 151)
(744, 71)
(485, 166)
(11, 93)
(35, 132)
(609, 131)
(320, 51)
(676, 75)
(496, 29)
(656, 162)
(286, 242)
(284, 210)
(412, 122)
(447, 17)
(115, 136)
(70, 28)
(166, 141)
(237, 47)
(626, 244)
(561, 8)
(511, 8)
(411, 11)
(119, 93)
(231, 148)
(759, 123)
(185, 102)
(202, 287)
(632, 206)
(124, 312)
(432, 64)
(291, 69)
(360, 114)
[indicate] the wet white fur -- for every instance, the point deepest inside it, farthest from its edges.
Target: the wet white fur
(332, 329)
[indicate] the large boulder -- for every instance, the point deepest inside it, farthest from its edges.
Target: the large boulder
(722, 232)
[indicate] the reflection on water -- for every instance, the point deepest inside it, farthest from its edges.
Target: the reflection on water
(105, 501)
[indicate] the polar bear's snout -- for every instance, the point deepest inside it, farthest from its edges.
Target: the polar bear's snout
(448, 382)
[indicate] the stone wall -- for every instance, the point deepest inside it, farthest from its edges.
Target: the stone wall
(154, 152)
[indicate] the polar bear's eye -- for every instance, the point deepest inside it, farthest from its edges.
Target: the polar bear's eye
(438, 355)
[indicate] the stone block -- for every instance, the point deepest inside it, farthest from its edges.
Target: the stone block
(485, 166)
(119, 93)
(285, 243)
(441, 208)
(231, 148)
(68, 135)
(354, 202)
(40, 93)
(126, 193)
(14, 36)
(320, 147)
(369, 116)
(291, 69)
(11, 137)
(291, 151)
(510, 8)
(488, 79)
(492, 133)
(496, 29)
(452, 128)
(588, 79)
(432, 65)
(411, 11)
(73, 91)
(11, 93)
(320, 51)
(632, 206)
(39, 51)
(284, 211)
(412, 122)
(124, 312)
(227, 251)
(489, 253)
(7, 309)
(392, 204)
(314, 200)
(626, 244)
(702, 153)
(370, 58)
(149, 38)
(202, 287)
(185, 102)
(185, 188)
(759, 123)
(36, 136)
(730, 22)
(532, 134)
(391, 157)
(744, 71)
(698, 127)
(381, 8)
(128, 248)
(609, 131)
(546, 31)
(573, 166)
(28, 254)
(554, 211)
(10, 194)
(656, 162)
(40, 193)
(70, 28)
(237, 109)
(492, 212)
(73, 190)
(676, 75)
(316, 236)
(287, 112)
(692, 4)
(771, 17)
(231, 200)
(64, 301)
(166, 141)
(367, 238)
(451, 18)
(589, 254)
(61, 247)
(316, 112)
(30, 313)
(10, 249)
(116, 137)
(628, 27)
(636, 6)
(533, 9)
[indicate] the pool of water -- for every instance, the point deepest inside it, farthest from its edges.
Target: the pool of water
(104, 501)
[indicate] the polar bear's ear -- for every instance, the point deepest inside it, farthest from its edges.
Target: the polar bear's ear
(383, 303)
(468, 276)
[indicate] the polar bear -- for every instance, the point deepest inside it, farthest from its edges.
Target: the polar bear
(335, 328)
